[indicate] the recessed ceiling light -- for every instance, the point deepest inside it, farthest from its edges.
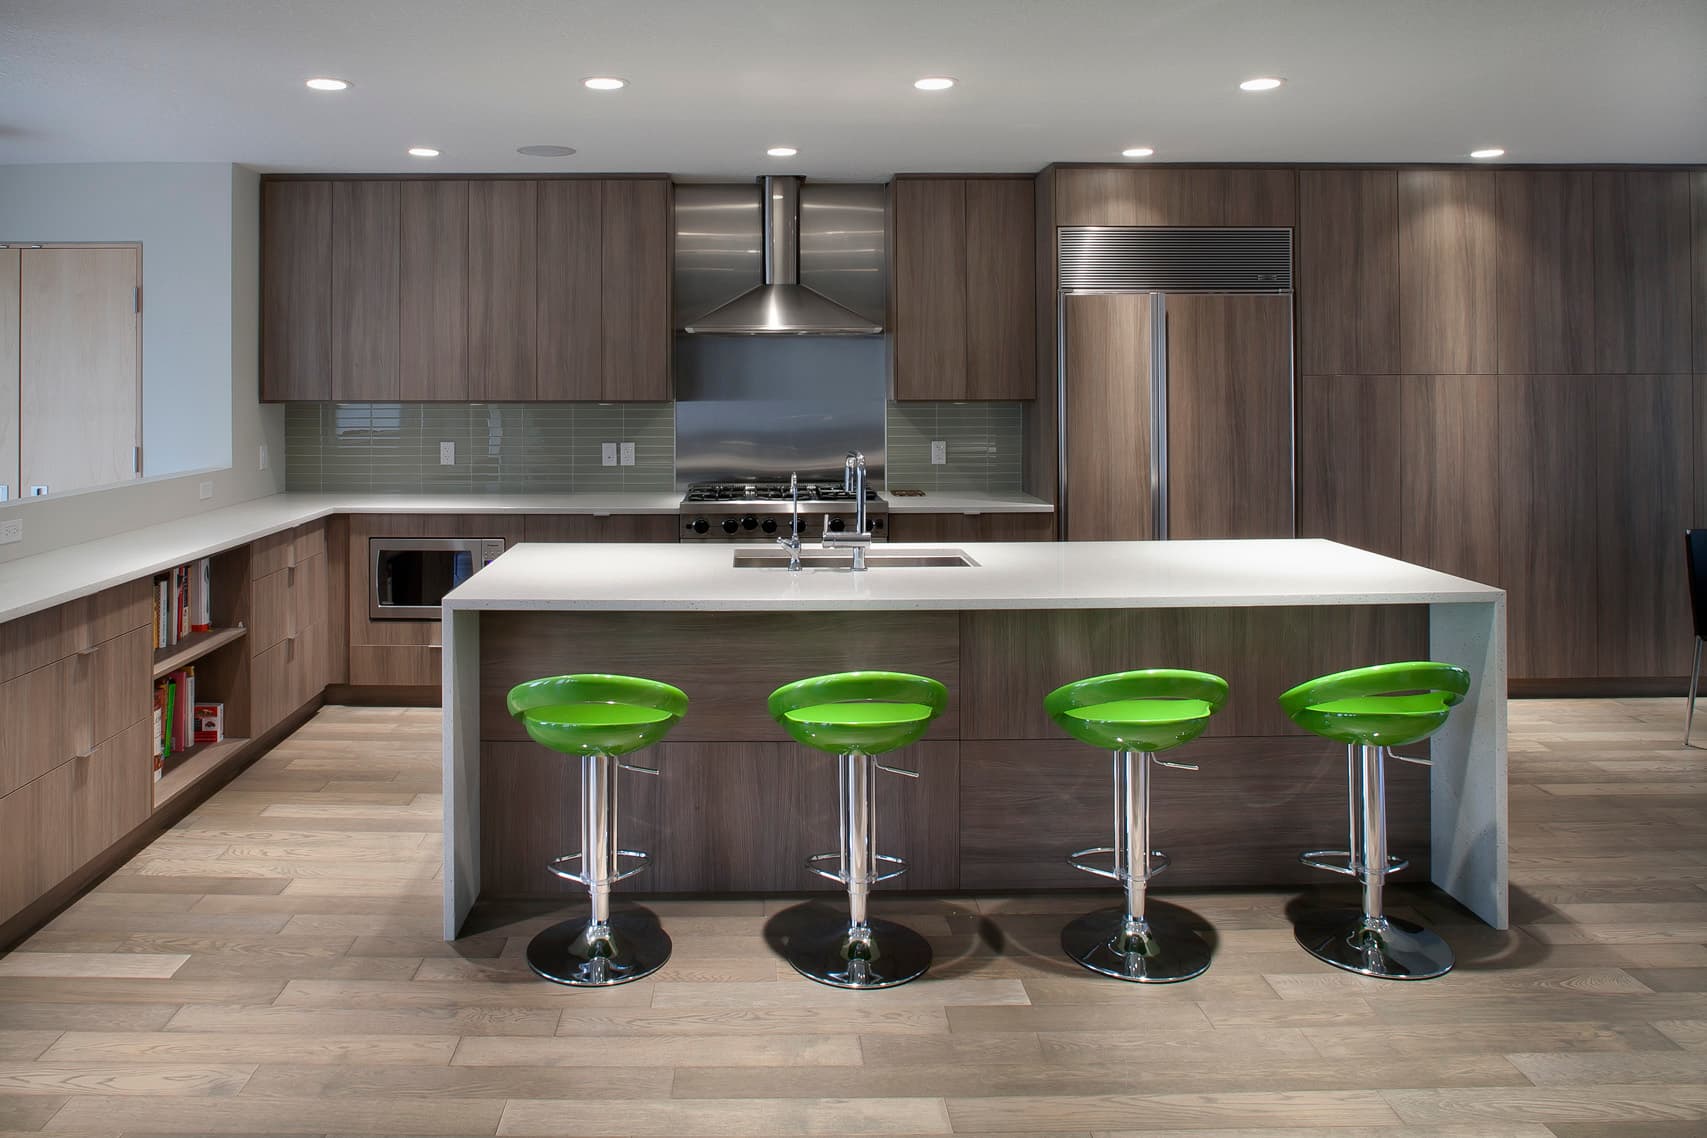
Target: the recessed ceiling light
(782, 152)
(934, 83)
(1261, 83)
(325, 83)
(423, 152)
(1138, 152)
(1488, 152)
(604, 83)
(546, 151)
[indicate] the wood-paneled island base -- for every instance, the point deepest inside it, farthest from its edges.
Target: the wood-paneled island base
(1004, 796)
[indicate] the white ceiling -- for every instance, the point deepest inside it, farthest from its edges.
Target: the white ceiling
(714, 82)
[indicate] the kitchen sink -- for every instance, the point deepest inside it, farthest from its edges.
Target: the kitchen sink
(875, 558)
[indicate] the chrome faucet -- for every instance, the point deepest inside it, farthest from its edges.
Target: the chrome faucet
(853, 481)
(792, 541)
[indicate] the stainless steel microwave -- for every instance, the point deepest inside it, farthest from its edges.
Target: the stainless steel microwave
(408, 577)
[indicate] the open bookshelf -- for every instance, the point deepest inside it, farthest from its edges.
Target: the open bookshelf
(193, 647)
(186, 768)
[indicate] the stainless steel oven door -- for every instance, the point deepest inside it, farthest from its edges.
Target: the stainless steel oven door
(408, 577)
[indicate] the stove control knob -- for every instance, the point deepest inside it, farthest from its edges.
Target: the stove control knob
(768, 525)
(749, 522)
(730, 525)
(876, 524)
(699, 525)
(837, 525)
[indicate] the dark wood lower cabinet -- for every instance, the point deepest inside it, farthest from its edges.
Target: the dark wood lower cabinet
(917, 528)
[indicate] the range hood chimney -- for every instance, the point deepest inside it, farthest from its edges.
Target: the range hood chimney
(782, 306)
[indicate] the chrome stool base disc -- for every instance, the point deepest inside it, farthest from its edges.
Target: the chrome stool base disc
(902, 955)
(636, 947)
(1394, 950)
(1176, 950)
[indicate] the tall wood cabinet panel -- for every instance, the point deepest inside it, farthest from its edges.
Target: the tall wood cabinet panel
(1545, 291)
(1448, 454)
(433, 232)
(1641, 272)
(1698, 213)
(296, 300)
(1644, 459)
(571, 298)
(930, 296)
(503, 259)
(10, 282)
(1548, 530)
(1229, 416)
(366, 291)
(1448, 233)
(1000, 275)
(636, 289)
(1118, 195)
(1348, 262)
(1107, 418)
(1348, 461)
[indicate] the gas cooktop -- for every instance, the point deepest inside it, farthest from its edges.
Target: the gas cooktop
(768, 492)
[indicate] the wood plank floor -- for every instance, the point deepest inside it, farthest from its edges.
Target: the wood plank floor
(272, 965)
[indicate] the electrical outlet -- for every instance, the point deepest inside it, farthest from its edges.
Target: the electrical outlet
(38, 489)
(607, 454)
(447, 453)
(627, 452)
(939, 452)
(11, 530)
(261, 460)
(205, 491)
(5, 492)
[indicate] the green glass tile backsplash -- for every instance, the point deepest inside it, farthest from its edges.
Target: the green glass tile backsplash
(986, 442)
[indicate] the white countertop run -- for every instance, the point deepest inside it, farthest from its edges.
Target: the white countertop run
(1009, 575)
(966, 502)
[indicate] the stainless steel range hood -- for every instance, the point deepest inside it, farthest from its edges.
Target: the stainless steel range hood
(782, 306)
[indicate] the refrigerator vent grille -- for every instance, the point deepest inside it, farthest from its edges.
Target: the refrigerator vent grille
(1175, 259)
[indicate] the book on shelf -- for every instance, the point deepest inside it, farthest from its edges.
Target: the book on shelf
(210, 723)
(183, 602)
(159, 748)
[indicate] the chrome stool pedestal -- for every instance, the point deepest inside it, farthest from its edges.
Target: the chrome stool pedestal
(1124, 941)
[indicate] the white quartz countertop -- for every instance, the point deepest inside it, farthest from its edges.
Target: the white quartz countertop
(43, 580)
(965, 502)
(1009, 575)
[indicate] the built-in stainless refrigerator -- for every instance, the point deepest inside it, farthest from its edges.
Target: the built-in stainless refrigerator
(1176, 382)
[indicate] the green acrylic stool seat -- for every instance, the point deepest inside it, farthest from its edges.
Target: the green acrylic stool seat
(855, 716)
(1372, 710)
(598, 718)
(1135, 714)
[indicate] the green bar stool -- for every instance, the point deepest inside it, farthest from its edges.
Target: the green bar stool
(1136, 715)
(1372, 710)
(854, 716)
(599, 718)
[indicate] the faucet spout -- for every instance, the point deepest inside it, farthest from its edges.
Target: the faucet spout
(853, 481)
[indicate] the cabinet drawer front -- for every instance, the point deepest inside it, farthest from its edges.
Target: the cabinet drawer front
(309, 540)
(111, 792)
(402, 664)
(36, 849)
(310, 598)
(270, 684)
(37, 640)
(282, 604)
(110, 687)
(286, 548)
(55, 713)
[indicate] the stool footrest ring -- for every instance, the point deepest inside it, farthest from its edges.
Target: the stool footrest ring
(581, 879)
(1317, 859)
(842, 879)
(1158, 862)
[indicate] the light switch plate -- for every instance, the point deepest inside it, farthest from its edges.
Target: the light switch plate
(205, 491)
(11, 530)
(5, 491)
(939, 452)
(627, 453)
(607, 454)
(38, 490)
(261, 458)
(447, 453)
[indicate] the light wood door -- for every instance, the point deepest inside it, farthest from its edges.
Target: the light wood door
(1448, 232)
(1348, 461)
(79, 374)
(1641, 272)
(296, 293)
(930, 288)
(1000, 277)
(10, 264)
(1108, 417)
(433, 355)
(636, 289)
(1545, 262)
(571, 290)
(503, 252)
(1229, 416)
(1348, 259)
(366, 291)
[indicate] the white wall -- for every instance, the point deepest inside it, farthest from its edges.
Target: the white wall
(199, 225)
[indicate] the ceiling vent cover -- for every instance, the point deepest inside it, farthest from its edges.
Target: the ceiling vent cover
(1175, 259)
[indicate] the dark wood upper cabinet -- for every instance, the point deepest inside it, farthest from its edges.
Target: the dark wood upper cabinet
(434, 283)
(1448, 232)
(296, 300)
(1545, 298)
(1119, 195)
(636, 289)
(366, 300)
(1348, 260)
(1001, 288)
(1448, 455)
(1348, 461)
(1641, 272)
(503, 259)
(929, 320)
(571, 296)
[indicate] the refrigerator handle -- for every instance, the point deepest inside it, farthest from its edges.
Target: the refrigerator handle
(1159, 413)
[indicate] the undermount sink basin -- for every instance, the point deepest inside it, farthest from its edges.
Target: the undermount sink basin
(875, 558)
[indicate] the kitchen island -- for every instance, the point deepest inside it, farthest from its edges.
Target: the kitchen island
(1003, 795)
